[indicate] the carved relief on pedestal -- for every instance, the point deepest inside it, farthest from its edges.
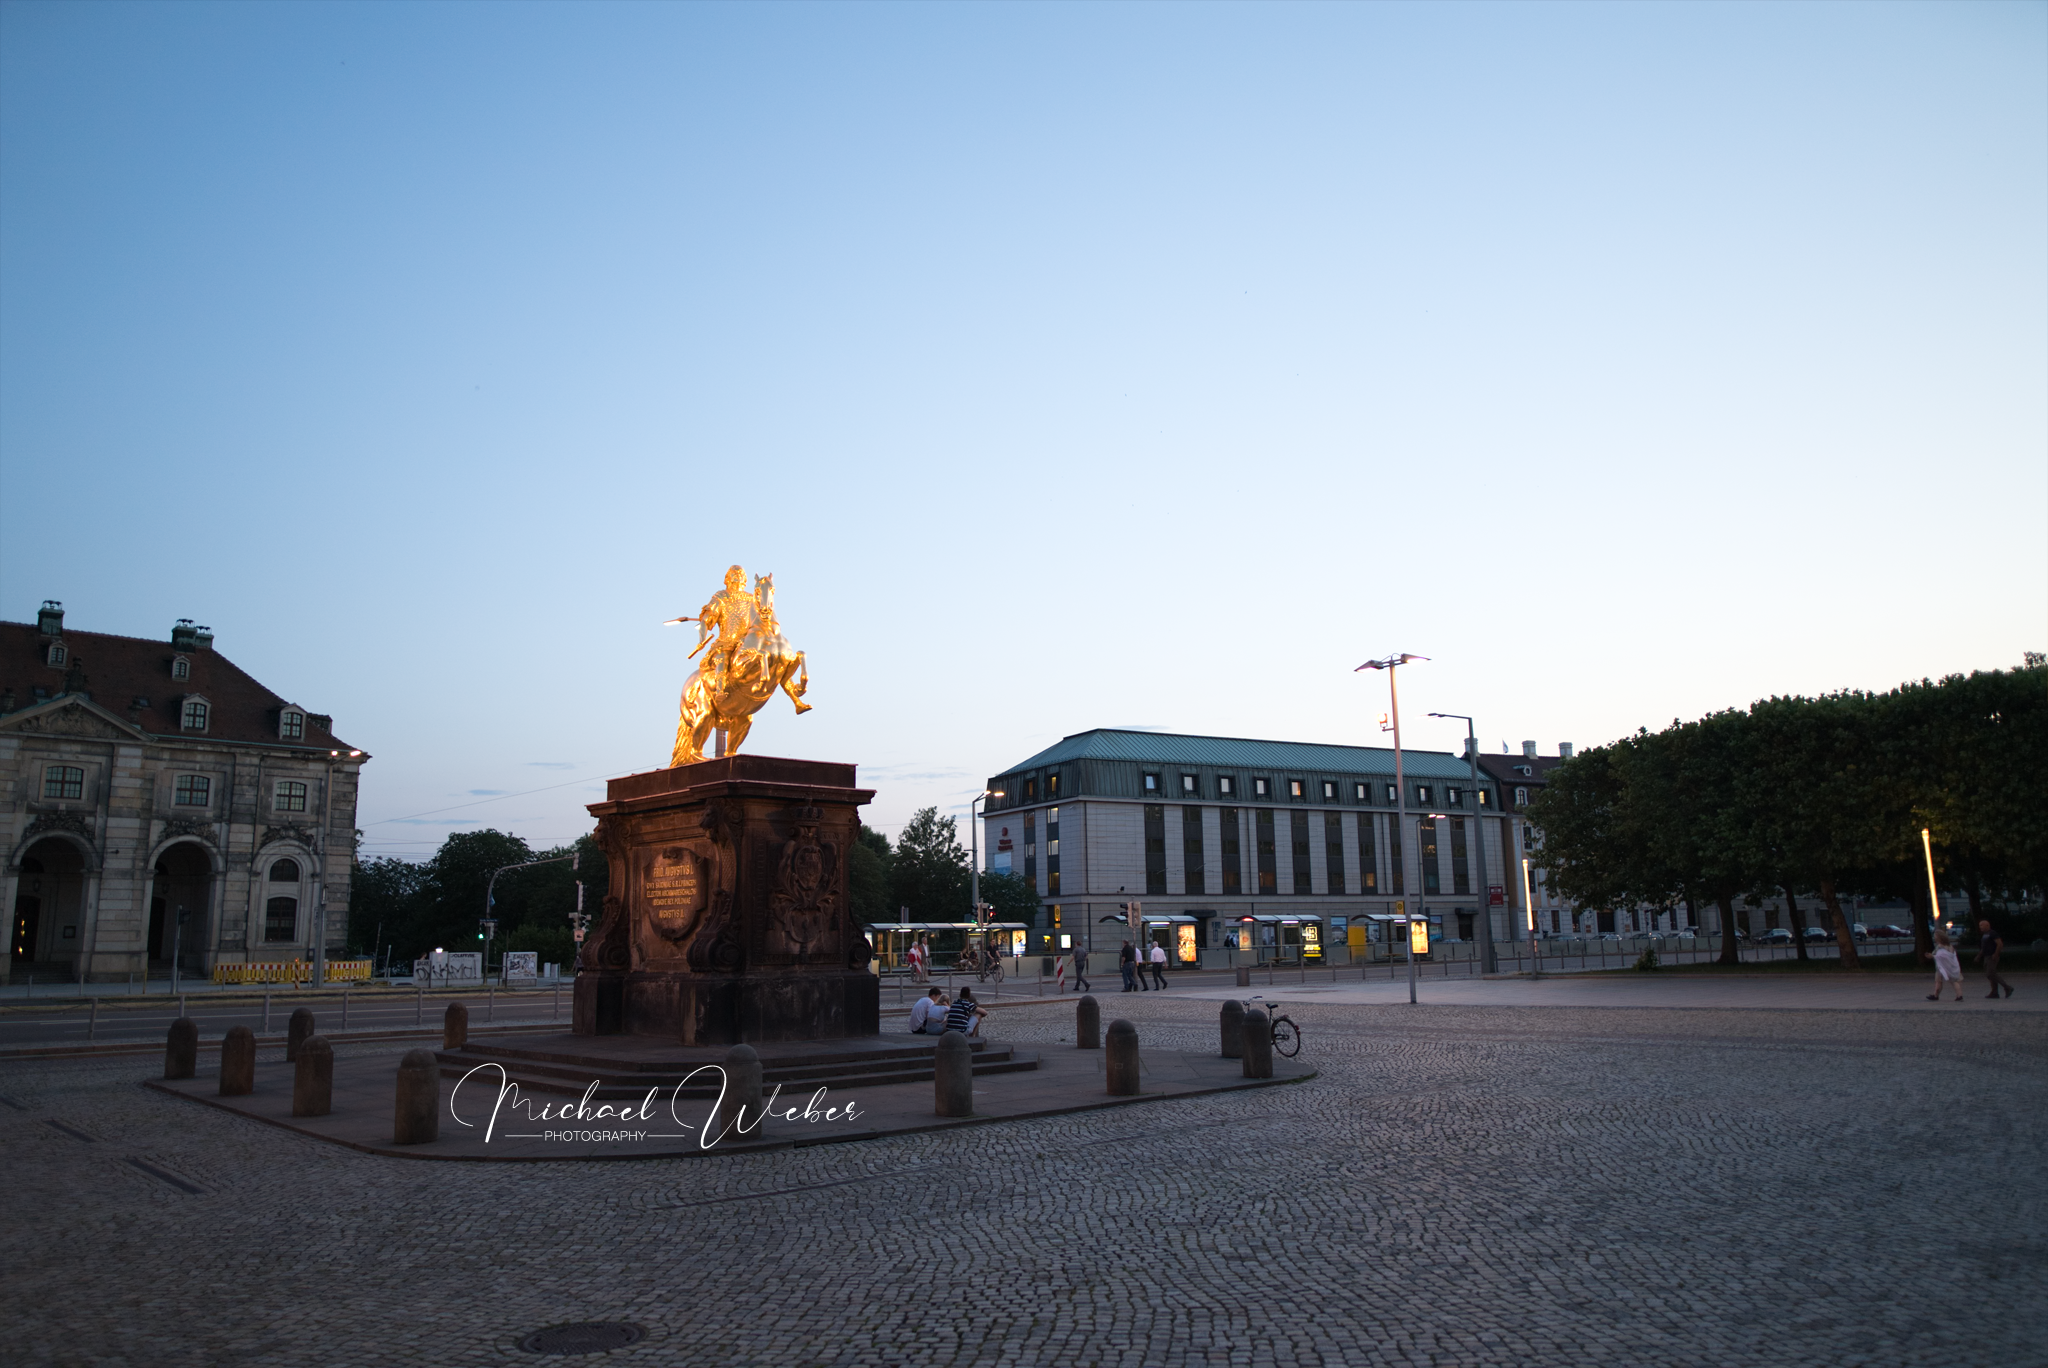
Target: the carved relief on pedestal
(807, 892)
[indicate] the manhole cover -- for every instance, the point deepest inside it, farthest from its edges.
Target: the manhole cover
(582, 1337)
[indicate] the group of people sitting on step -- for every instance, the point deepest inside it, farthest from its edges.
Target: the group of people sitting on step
(935, 1014)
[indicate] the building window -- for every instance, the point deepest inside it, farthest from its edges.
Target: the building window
(1031, 850)
(281, 920)
(1333, 849)
(1052, 845)
(57, 654)
(1226, 786)
(1191, 851)
(181, 668)
(1455, 797)
(291, 796)
(195, 714)
(1052, 784)
(1422, 792)
(1227, 847)
(193, 790)
(1030, 790)
(1329, 791)
(1393, 795)
(1259, 789)
(1155, 849)
(1303, 881)
(1521, 797)
(1187, 784)
(1368, 859)
(1483, 799)
(1461, 874)
(1358, 794)
(285, 871)
(1425, 841)
(1269, 864)
(1151, 783)
(1294, 788)
(291, 725)
(63, 781)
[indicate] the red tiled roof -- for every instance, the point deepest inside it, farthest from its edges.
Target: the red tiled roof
(1502, 768)
(116, 671)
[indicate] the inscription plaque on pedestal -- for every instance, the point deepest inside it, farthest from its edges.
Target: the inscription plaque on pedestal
(727, 918)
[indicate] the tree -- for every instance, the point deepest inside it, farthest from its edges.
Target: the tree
(1012, 897)
(930, 873)
(867, 877)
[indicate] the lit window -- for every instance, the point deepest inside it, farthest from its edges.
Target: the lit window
(1329, 791)
(1294, 788)
(1225, 785)
(291, 725)
(1151, 783)
(1030, 790)
(63, 781)
(1455, 797)
(1052, 784)
(195, 715)
(194, 790)
(58, 655)
(1187, 783)
(1258, 788)
(291, 796)
(1358, 792)
(285, 871)
(181, 668)
(1422, 794)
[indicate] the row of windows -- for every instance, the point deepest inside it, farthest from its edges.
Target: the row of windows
(1052, 787)
(1298, 790)
(1194, 870)
(190, 790)
(197, 712)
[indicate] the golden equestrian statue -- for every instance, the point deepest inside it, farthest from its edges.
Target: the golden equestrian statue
(749, 660)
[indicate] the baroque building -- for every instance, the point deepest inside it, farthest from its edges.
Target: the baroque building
(155, 800)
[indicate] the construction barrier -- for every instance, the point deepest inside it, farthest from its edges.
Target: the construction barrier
(292, 971)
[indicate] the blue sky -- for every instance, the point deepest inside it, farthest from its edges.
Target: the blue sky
(1069, 366)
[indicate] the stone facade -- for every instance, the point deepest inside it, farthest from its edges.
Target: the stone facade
(140, 779)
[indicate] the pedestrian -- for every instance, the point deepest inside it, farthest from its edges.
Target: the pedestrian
(917, 960)
(1159, 967)
(1946, 968)
(1127, 961)
(965, 1015)
(1990, 946)
(1080, 970)
(927, 1014)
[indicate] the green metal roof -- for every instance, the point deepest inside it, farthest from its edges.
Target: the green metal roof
(1235, 752)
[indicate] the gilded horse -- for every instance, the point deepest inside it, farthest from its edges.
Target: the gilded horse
(749, 660)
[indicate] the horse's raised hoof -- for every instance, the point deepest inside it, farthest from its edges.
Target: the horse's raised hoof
(802, 708)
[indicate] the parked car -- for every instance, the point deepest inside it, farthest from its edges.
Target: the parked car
(1890, 933)
(1820, 935)
(1859, 931)
(1777, 935)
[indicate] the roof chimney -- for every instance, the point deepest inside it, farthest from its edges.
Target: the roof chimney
(50, 618)
(1528, 750)
(1564, 750)
(186, 637)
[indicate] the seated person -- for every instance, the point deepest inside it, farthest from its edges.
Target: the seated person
(927, 1014)
(965, 1015)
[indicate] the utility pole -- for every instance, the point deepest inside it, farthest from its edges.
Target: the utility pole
(1489, 962)
(1390, 665)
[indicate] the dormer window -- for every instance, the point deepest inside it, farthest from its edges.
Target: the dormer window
(1521, 797)
(181, 668)
(1151, 783)
(194, 714)
(291, 725)
(57, 655)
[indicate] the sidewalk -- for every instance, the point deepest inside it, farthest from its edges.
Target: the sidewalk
(1861, 993)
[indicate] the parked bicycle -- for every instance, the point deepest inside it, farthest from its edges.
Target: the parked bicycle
(1286, 1035)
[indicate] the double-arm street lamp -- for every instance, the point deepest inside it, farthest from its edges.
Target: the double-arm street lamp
(974, 840)
(1391, 664)
(1487, 962)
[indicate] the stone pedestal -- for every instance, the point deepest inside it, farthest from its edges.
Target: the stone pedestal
(728, 919)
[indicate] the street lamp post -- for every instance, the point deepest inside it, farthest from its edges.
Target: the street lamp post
(1488, 962)
(1390, 665)
(974, 841)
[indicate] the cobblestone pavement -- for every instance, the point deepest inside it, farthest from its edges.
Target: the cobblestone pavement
(1461, 1185)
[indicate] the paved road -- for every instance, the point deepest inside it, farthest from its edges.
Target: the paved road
(1468, 1185)
(117, 1021)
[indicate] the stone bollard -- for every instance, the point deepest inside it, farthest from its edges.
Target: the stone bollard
(455, 1027)
(238, 1062)
(181, 1049)
(417, 1117)
(739, 1105)
(953, 1076)
(1120, 1060)
(313, 1079)
(1232, 1019)
(297, 1032)
(1244, 976)
(1258, 1044)
(1087, 1024)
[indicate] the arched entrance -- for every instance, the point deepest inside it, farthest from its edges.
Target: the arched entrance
(49, 909)
(184, 883)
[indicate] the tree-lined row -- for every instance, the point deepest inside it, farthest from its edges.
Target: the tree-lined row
(400, 910)
(1824, 796)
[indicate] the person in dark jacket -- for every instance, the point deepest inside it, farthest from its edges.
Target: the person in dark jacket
(1989, 947)
(1127, 960)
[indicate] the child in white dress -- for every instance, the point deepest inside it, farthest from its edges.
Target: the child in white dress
(1947, 968)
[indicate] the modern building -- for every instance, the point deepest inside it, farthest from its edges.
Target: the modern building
(156, 800)
(1276, 847)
